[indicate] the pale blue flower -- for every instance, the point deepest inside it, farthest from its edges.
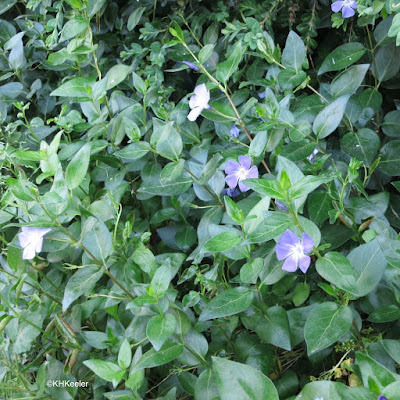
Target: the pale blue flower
(290, 249)
(198, 102)
(347, 7)
(319, 398)
(234, 132)
(231, 192)
(31, 240)
(236, 172)
(382, 398)
(281, 206)
(194, 67)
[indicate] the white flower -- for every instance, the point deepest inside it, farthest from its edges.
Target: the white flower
(198, 102)
(31, 240)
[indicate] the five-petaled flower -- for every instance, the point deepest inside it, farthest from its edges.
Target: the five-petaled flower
(347, 7)
(231, 192)
(191, 65)
(239, 171)
(31, 240)
(290, 249)
(198, 102)
(234, 132)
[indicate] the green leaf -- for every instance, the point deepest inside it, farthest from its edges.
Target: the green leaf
(223, 242)
(274, 328)
(226, 69)
(349, 81)
(307, 185)
(319, 204)
(161, 280)
(73, 28)
(362, 145)
(233, 210)
(329, 118)
(342, 57)
(206, 386)
(134, 151)
(230, 302)
(166, 354)
(6, 5)
(250, 271)
(77, 168)
(301, 293)
(370, 368)
(297, 151)
(94, 7)
(205, 53)
(391, 123)
(393, 348)
(257, 146)
(167, 141)
(125, 355)
(390, 158)
(385, 314)
(369, 264)
(134, 18)
(266, 187)
(76, 87)
(159, 329)
(337, 269)
(117, 74)
(387, 62)
(326, 324)
(106, 370)
(82, 281)
(240, 381)
(273, 225)
(289, 78)
(294, 53)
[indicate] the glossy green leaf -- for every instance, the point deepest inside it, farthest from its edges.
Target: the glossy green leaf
(224, 241)
(229, 302)
(77, 168)
(240, 381)
(106, 370)
(159, 329)
(326, 324)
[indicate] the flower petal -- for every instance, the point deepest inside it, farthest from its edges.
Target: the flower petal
(29, 252)
(347, 12)
(308, 243)
(337, 6)
(194, 101)
(288, 238)
(24, 238)
(38, 245)
(243, 187)
(353, 4)
(232, 167)
(202, 93)
(191, 65)
(283, 251)
(290, 264)
(194, 114)
(252, 173)
(245, 161)
(231, 180)
(304, 263)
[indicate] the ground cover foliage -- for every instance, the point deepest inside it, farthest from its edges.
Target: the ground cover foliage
(200, 199)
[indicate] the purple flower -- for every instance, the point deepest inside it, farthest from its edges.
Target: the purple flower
(231, 192)
(382, 398)
(31, 240)
(319, 398)
(347, 7)
(234, 132)
(290, 248)
(262, 95)
(281, 206)
(239, 171)
(194, 67)
(198, 102)
(311, 157)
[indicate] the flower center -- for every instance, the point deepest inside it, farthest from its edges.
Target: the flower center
(242, 173)
(347, 2)
(298, 249)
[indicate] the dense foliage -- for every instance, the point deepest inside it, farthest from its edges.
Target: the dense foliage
(199, 199)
